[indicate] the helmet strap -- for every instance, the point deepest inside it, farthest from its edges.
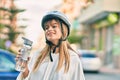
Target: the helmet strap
(50, 55)
(57, 45)
(50, 44)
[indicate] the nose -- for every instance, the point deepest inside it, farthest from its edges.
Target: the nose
(50, 28)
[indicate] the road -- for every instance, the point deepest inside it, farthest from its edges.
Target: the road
(102, 76)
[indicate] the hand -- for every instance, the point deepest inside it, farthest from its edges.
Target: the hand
(19, 55)
(20, 62)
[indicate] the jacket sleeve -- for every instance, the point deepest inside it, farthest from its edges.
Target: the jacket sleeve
(78, 72)
(30, 66)
(20, 77)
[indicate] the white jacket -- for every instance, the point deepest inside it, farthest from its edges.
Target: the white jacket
(47, 69)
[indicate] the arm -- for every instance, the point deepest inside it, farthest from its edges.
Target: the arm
(27, 73)
(23, 75)
(78, 71)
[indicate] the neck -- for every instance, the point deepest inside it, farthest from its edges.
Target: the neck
(57, 49)
(55, 43)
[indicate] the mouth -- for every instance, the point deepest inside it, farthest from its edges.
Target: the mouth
(50, 33)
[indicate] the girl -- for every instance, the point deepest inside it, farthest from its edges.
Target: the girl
(57, 60)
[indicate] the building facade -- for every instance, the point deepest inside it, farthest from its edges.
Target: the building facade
(101, 21)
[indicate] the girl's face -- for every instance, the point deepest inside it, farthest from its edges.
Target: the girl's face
(53, 31)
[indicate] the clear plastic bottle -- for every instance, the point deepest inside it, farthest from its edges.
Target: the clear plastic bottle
(25, 50)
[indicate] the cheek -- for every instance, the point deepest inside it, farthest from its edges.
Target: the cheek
(46, 35)
(59, 34)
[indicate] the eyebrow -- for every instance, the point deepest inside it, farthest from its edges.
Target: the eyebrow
(52, 23)
(55, 23)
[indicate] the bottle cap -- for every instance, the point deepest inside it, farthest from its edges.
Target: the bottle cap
(27, 41)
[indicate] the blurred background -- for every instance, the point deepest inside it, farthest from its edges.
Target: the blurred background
(95, 30)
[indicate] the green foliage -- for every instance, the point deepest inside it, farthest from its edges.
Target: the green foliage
(74, 38)
(4, 9)
(2, 43)
(12, 32)
(1, 26)
(116, 45)
(12, 10)
(13, 35)
(107, 21)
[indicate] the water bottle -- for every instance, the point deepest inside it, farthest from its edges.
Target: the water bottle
(25, 50)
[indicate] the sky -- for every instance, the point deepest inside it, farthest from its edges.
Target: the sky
(35, 9)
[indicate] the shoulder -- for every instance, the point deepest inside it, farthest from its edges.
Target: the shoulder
(73, 53)
(35, 53)
(74, 56)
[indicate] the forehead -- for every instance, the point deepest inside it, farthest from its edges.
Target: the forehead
(52, 21)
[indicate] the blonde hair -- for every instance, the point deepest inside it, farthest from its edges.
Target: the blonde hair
(64, 55)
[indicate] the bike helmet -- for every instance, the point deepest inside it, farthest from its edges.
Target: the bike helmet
(56, 14)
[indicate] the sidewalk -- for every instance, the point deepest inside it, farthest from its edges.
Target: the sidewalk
(109, 69)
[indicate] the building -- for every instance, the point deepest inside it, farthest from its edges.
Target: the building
(101, 23)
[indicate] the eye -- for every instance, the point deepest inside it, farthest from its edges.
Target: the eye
(46, 27)
(54, 26)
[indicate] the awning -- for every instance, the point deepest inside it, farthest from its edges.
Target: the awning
(98, 10)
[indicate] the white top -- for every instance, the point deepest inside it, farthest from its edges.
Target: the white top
(47, 69)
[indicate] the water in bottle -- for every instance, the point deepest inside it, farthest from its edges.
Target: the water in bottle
(25, 50)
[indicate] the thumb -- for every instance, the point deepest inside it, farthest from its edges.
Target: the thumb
(28, 59)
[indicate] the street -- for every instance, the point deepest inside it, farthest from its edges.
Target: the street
(101, 76)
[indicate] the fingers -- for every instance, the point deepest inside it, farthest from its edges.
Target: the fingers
(19, 50)
(19, 55)
(28, 58)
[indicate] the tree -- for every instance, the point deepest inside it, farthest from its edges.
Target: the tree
(74, 37)
(9, 30)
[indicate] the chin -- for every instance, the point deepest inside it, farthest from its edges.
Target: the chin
(50, 39)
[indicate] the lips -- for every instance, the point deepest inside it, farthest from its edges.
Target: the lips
(50, 33)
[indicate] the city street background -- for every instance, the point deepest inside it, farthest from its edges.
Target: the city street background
(95, 26)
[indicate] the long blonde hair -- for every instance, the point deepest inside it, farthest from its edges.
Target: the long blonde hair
(64, 55)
